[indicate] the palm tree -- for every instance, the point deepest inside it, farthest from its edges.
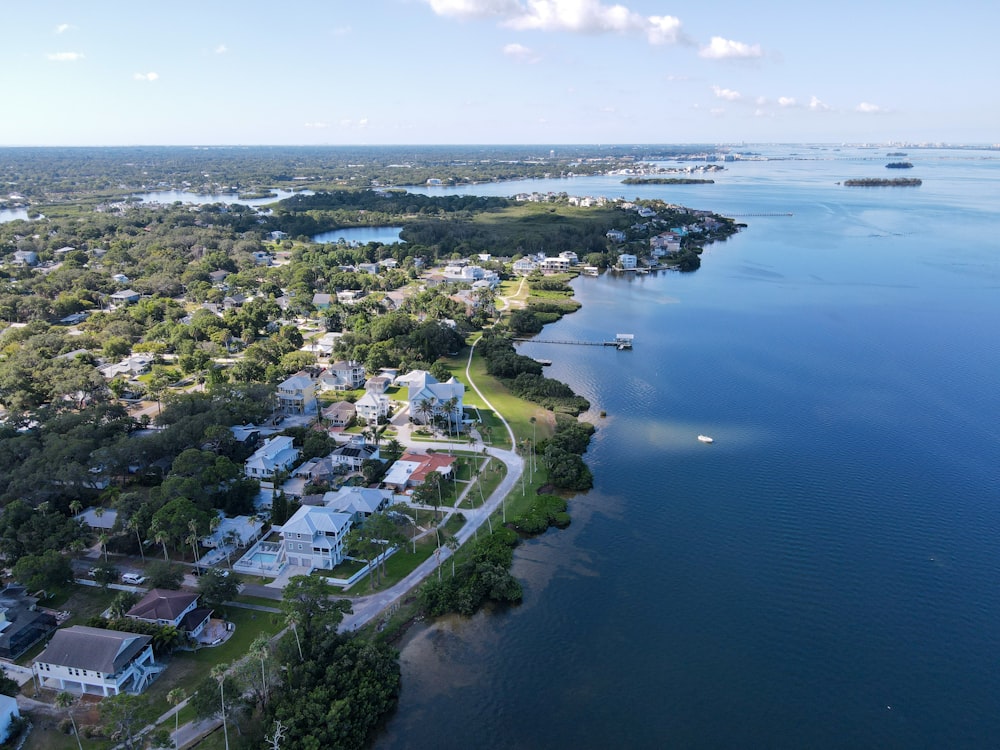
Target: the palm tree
(450, 406)
(65, 700)
(452, 544)
(133, 525)
(219, 673)
(425, 407)
(193, 539)
(75, 507)
(175, 697)
(103, 538)
(261, 648)
(160, 536)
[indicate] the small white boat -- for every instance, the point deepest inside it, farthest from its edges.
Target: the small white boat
(705, 439)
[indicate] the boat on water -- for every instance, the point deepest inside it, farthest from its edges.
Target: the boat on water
(705, 439)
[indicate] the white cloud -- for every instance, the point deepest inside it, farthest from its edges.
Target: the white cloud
(818, 106)
(520, 53)
(786, 101)
(363, 122)
(664, 30)
(727, 49)
(728, 94)
(221, 49)
(62, 28)
(342, 31)
(867, 108)
(718, 111)
(317, 125)
(145, 76)
(574, 16)
(475, 8)
(65, 56)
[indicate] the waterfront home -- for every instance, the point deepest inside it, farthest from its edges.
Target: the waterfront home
(627, 262)
(297, 394)
(276, 454)
(428, 398)
(167, 607)
(524, 266)
(314, 537)
(339, 414)
(553, 265)
(570, 257)
(96, 661)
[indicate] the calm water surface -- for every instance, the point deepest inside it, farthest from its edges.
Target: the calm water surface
(361, 235)
(827, 573)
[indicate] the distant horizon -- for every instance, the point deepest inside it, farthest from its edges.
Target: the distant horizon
(541, 144)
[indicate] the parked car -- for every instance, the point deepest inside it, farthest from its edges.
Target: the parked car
(133, 578)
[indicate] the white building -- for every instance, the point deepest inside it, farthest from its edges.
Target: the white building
(553, 265)
(524, 266)
(95, 661)
(428, 398)
(372, 406)
(276, 454)
(627, 261)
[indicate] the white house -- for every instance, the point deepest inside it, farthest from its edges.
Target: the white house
(372, 406)
(276, 454)
(569, 256)
(339, 414)
(524, 266)
(124, 297)
(297, 394)
(627, 261)
(314, 537)
(359, 502)
(553, 265)
(345, 375)
(130, 367)
(95, 661)
(428, 398)
(615, 235)
(167, 607)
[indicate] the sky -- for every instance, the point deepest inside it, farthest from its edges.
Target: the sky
(353, 72)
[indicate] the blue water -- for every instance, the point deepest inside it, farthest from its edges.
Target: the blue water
(361, 235)
(827, 573)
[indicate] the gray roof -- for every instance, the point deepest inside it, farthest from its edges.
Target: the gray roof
(104, 651)
(162, 604)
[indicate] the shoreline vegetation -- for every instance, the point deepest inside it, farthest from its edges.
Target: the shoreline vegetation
(666, 181)
(883, 182)
(139, 333)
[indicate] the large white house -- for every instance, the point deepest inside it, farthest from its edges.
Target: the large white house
(297, 394)
(429, 398)
(372, 406)
(359, 502)
(314, 537)
(95, 661)
(627, 261)
(276, 454)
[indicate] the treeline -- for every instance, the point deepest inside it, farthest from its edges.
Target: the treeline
(483, 576)
(884, 182)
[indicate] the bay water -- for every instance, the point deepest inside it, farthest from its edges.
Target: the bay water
(826, 574)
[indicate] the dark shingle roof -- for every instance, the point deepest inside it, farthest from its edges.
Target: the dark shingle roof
(105, 651)
(162, 604)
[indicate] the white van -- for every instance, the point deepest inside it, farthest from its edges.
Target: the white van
(133, 578)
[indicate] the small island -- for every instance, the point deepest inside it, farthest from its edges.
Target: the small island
(666, 181)
(899, 165)
(882, 182)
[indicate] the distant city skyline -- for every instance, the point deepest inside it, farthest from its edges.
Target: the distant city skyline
(496, 71)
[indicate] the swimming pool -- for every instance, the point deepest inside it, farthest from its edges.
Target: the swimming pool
(264, 558)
